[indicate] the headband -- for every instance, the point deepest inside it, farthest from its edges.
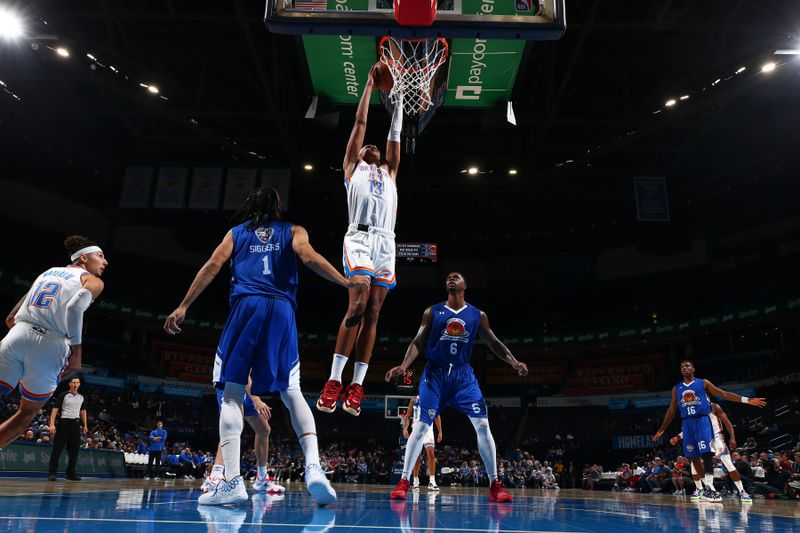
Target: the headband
(87, 250)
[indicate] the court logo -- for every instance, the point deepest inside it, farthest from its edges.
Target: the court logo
(264, 234)
(455, 330)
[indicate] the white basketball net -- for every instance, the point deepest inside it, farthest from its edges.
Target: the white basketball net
(413, 64)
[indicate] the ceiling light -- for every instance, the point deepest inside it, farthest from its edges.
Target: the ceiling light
(512, 172)
(670, 102)
(90, 56)
(472, 171)
(153, 89)
(741, 69)
(10, 25)
(308, 166)
(684, 97)
(788, 52)
(63, 52)
(768, 67)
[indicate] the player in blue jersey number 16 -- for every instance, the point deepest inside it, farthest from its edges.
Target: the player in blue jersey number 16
(691, 396)
(446, 335)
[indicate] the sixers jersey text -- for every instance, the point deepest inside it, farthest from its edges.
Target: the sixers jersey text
(452, 334)
(263, 261)
(692, 398)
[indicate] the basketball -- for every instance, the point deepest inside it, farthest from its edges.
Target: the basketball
(382, 77)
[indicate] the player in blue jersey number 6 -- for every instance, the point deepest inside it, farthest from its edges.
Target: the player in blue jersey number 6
(446, 335)
(691, 396)
(260, 337)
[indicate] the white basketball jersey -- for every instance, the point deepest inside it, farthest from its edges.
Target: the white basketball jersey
(46, 302)
(372, 197)
(416, 410)
(715, 425)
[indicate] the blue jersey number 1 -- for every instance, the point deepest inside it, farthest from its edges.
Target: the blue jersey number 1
(267, 271)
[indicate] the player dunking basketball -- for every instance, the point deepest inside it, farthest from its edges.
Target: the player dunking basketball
(368, 251)
(46, 326)
(698, 435)
(446, 335)
(259, 340)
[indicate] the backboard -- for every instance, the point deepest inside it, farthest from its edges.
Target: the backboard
(529, 20)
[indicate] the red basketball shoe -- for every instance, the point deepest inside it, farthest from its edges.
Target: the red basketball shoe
(353, 396)
(329, 396)
(399, 492)
(497, 493)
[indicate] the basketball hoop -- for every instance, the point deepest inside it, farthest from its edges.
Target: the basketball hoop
(413, 64)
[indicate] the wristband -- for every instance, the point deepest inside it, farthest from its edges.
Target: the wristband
(744, 399)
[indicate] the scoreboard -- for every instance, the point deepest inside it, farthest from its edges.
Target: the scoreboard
(406, 381)
(417, 252)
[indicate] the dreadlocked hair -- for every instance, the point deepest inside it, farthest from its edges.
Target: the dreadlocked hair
(73, 243)
(260, 208)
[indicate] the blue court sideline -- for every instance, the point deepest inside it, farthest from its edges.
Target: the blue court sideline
(127, 506)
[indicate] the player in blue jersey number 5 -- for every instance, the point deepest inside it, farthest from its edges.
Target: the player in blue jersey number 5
(446, 335)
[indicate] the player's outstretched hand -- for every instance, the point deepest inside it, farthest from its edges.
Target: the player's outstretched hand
(173, 323)
(406, 434)
(673, 441)
(657, 435)
(263, 410)
(521, 368)
(439, 438)
(758, 402)
(73, 363)
(394, 373)
(732, 444)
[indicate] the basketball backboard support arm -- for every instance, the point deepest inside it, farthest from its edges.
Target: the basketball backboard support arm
(281, 17)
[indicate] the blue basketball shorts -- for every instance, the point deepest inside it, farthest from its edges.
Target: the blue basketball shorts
(259, 340)
(458, 388)
(698, 436)
(248, 405)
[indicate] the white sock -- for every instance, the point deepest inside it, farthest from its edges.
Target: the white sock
(414, 447)
(337, 366)
(217, 472)
(739, 486)
(486, 446)
(708, 481)
(231, 424)
(303, 423)
(360, 372)
(262, 472)
(433, 479)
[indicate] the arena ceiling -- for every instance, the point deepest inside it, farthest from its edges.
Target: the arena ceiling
(590, 110)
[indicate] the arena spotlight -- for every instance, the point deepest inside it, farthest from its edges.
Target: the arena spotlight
(308, 166)
(768, 67)
(63, 52)
(152, 89)
(740, 70)
(10, 25)
(671, 102)
(512, 171)
(684, 97)
(472, 171)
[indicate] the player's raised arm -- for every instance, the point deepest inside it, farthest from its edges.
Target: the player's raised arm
(668, 416)
(719, 393)
(393, 139)
(416, 346)
(203, 279)
(77, 305)
(318, 264)
(723, 417)
(498, 348)
(359, 129)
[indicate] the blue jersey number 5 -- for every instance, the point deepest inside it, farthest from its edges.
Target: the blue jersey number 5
(45, 294)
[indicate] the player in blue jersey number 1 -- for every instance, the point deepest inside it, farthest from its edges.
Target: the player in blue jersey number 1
(691, 396)
(259, 340)
(446, 335)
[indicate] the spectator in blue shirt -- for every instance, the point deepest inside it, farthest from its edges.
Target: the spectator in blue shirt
(141, 448)
(187, 462)
(158, 440)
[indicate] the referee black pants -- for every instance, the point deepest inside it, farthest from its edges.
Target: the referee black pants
(69, 435)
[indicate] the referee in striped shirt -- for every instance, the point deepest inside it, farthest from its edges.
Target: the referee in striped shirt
(72, 406)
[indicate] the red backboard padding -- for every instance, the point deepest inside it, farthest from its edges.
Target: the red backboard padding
(415, 12)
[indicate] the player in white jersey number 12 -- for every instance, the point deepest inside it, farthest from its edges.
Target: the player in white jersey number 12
(368, 250)
(44, 342)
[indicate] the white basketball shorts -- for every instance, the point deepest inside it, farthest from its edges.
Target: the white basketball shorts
(370, 253)
(33, 359)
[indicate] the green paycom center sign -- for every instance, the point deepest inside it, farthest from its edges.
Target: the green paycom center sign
(480, 71)
(22, 458)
